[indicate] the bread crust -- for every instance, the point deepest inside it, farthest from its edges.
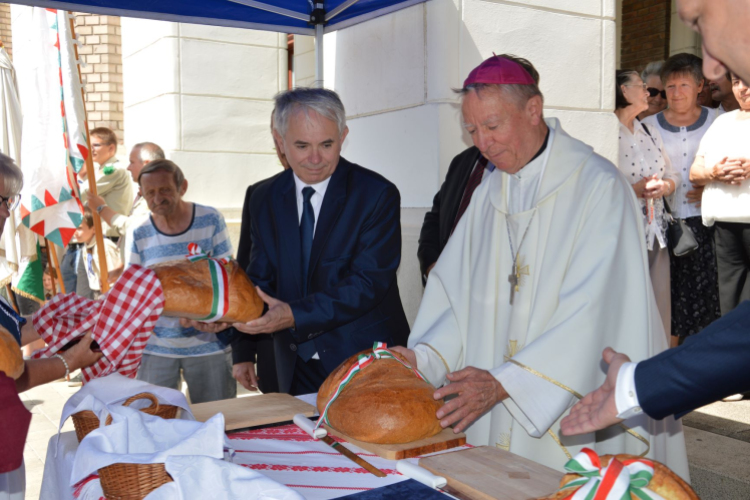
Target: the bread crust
(11, 359)
(665, 482)
(386, 403)
(188, 292)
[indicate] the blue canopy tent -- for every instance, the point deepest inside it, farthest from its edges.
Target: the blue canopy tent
(301, 17)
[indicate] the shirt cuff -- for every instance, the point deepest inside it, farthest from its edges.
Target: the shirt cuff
(626, 397)
(431, 364)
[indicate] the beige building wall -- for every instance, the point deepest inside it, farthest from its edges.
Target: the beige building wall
(682, 38)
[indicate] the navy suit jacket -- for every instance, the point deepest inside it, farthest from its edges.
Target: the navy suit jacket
(353, 298)
(707, 367)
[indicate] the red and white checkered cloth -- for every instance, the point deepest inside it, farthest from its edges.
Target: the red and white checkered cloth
(121, 322)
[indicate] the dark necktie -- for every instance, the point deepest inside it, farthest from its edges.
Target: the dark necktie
(474, 180)
(306, 350)
(306, 230)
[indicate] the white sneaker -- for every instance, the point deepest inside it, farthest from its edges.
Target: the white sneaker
(733, 397)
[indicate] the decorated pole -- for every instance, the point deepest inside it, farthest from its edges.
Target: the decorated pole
(91, 176)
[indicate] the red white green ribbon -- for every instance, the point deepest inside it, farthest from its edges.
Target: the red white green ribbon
(219, 282)
(379, 351)
(617, 481)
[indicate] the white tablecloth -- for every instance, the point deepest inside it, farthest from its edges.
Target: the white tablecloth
(285, 454)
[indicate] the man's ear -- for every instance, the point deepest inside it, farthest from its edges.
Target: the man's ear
(183, 188)
(344, 134)
(534, 108)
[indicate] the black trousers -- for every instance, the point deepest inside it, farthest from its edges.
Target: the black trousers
(733, 263)
(308, 376)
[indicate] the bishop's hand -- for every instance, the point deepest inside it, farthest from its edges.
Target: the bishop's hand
(598, 409)
(478, 391)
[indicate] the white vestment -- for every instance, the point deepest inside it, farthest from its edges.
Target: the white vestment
(584, 286)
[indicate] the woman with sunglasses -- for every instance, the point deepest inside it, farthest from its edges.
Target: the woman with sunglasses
(647, 167)
(695, 293)
(657, 98)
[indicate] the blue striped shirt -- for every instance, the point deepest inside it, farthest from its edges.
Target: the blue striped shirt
(150, 246)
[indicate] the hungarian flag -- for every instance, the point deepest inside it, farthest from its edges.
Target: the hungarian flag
(53, 145)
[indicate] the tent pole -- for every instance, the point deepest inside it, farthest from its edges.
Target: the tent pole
(318, 56)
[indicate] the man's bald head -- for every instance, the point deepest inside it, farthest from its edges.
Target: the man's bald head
(141, 155)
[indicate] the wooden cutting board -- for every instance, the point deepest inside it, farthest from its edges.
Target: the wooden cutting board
(489, 473)
(252, 411)
(443, 441)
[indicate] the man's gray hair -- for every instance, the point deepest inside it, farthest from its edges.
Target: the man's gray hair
(148, 151)
(652, 69)
(12, 176)
(323, 101)
(519, 94)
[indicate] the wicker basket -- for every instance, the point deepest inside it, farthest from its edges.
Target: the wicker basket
(86, 421)
(132, 481)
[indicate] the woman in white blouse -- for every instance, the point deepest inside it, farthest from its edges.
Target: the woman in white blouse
(649, 170)
(722, 164)
(695, 292)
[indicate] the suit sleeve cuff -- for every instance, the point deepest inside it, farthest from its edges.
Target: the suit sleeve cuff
(626, 396)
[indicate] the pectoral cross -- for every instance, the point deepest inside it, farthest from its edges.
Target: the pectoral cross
(514, 278)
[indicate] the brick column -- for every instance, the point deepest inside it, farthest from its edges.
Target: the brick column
(645, 32)
(102, 52)
(5, 32)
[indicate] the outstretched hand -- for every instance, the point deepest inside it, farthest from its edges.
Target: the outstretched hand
(598, 409)
(278, 317)
(477, 393)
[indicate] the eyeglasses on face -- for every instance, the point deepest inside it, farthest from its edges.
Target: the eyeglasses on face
(652, 92)
(11, 202)
(641, 85)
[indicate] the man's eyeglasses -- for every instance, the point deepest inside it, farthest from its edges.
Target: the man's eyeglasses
(11, 202)
(652, 92)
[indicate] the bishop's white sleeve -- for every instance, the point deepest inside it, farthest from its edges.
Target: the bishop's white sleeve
(534, 402)
(431, 364)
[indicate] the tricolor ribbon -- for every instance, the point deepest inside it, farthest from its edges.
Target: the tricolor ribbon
(379, 351)
(619, 480)
(219, 282)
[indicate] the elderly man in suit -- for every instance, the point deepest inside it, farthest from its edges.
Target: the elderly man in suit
(326, 244)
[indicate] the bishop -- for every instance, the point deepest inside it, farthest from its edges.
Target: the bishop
(570, 217)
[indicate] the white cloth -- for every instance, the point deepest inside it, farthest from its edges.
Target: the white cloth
(138, 438)
(728, 137)
(13, 484)
(114, 389)
(681, 144)
(316, 200)
(585, 285)
(642, 155)
(197, 478)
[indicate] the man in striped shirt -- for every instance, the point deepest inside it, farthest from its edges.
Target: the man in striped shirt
(204, 360)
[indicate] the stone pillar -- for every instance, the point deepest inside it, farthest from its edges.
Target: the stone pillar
(204, 94)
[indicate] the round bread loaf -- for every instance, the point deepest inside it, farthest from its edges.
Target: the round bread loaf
(188, 291)
(385, 403)
(665, 483)
(11, 359)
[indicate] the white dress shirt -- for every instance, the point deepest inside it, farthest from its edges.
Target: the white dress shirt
(626, 397)
(316, 200)
(681, 145)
